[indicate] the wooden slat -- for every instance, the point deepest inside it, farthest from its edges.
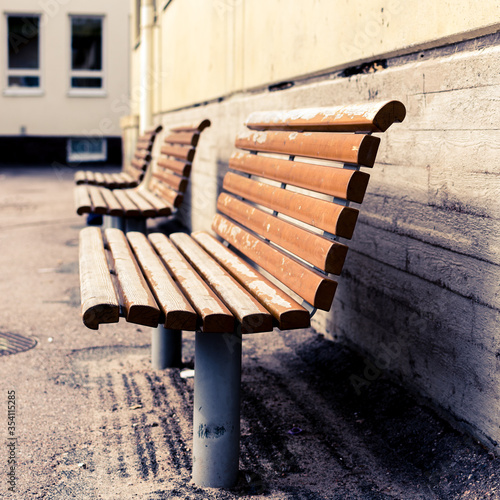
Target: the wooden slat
(248, 311)
(311, 285)
(90, 177)
(121, 181)
(138, 164)
(357, 149)
(186, 138)
(365, 117)
(192, 127)
(330, 217)
(127, 179)
(170, 196)
(144, 143)
(286, 311)
(109, 181)
(80, 177)
(129, 207)
(142, 154)
(140, 306)
(162, 207)
(114, 206)
(215, 316)
(323, 253)
(147, 210)
(99, 179)
(99, 205)
(152, 131)
(99, 300)
(179, 315)
(83, 203)
(173, 181)
(179, 167)
(342, 183)
(180, 152)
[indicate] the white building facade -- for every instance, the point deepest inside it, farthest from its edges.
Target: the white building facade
(64, 80)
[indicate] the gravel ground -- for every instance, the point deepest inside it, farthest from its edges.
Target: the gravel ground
(93, 420)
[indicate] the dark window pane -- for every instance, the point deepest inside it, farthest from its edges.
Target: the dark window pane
(23, 41)
(86, 82)
(93, 145)
(86, 43)
(24, 81)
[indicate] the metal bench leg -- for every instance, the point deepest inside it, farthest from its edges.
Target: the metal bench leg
(166, 348)
(136, 224)
(216, 432)
(113, 221)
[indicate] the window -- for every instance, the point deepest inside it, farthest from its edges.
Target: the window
(23, 52)
(86, 53)
(83, 149)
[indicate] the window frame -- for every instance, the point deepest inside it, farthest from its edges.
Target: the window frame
(78, 73)
(86, 157)
(23, 91)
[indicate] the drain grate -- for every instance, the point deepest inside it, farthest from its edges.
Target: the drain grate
(12, 343)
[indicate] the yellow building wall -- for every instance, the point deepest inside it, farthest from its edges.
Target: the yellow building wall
(216, 47)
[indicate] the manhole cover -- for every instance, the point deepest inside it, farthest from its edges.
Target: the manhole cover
(12, 343)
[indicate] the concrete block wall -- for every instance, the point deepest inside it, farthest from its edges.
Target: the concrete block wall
(420, 293)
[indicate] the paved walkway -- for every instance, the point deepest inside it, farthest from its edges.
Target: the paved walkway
(93, 420)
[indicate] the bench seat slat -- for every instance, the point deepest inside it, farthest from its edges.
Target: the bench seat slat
(140, 306)
(99, 178)
(328, 216)
(179, 167)
(367, 117)
(99, 299)
(109, 181)
(147, 210)
(114, 206)
(83, 203)
(323, 253)
(312, 286)
(90, 177)
(123, 180)
(215, 316)
(127, 178)
(80, 177)
(248, 311)
(162, 207)
(179, 315)
(99, 205)
(358, 149)
(339, 182)
(130, 209)
(285, 310)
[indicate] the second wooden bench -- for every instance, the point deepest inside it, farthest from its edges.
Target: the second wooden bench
(159, 194)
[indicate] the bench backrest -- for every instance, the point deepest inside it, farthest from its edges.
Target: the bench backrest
(286, 199)
(142, 154)
(170, 173)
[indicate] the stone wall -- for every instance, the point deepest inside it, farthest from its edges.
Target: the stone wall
(420, 293)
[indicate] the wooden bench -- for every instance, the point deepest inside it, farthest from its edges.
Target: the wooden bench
(283, 212)
(132, 173)
(159, 194)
